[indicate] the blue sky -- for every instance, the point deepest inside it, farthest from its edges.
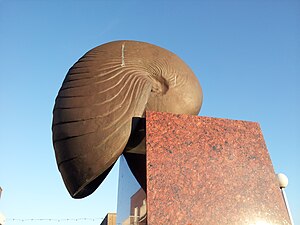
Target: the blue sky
(246, 55)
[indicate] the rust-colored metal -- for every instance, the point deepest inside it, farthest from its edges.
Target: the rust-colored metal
(102, 94)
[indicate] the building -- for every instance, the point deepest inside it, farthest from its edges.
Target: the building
(110, 219)
(138, 214)
(2, 217)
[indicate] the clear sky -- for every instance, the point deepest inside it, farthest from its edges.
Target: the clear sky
(246, 55)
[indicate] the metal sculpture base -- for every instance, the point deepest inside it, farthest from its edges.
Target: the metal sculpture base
(203, 170)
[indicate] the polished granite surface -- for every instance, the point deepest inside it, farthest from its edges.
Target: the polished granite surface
(203, 170)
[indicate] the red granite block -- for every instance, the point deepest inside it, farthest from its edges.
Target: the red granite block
(203, 170)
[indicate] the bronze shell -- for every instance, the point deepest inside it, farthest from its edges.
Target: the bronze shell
(102, 93)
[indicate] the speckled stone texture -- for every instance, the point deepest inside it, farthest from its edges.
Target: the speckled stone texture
(203, 170)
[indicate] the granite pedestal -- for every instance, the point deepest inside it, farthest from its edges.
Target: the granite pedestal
(203, 170)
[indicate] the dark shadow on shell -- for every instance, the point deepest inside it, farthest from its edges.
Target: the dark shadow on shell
(135, 152)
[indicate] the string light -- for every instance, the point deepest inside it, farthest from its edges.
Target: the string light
(54, 220)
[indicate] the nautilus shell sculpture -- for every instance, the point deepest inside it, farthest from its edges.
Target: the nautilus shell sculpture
(98, 105)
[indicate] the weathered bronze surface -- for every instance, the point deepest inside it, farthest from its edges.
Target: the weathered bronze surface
(101, 95)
